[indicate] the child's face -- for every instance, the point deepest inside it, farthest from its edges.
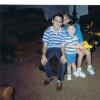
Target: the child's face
(66, 19)
(71, 30)
(57, 22)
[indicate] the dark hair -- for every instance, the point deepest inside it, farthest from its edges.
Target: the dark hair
(71, 23)
(59, 15)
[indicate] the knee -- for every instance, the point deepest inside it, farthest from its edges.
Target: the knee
(88, 53)
(80, 54)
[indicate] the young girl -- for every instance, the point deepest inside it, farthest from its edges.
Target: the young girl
(80, 53)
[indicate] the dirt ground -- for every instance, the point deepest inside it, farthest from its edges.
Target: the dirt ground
(27, 80)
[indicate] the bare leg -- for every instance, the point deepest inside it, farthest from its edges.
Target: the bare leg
(74, 70)
(80, 58)
(69, 72)
(88, 57)
(69, 68)
(74, 66)
(79, 63)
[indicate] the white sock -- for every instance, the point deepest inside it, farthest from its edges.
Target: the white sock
(68, 73)
(89, 66)
(74, 69)
(79, 69)
(59, 81)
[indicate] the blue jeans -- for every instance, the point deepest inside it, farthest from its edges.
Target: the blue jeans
(61, 69)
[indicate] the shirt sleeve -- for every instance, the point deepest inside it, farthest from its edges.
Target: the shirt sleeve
(63, 39)
(79, 33)
(45, 37)
(77, 41)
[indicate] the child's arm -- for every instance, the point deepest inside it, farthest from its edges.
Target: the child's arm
(63, 58)
(78, 46)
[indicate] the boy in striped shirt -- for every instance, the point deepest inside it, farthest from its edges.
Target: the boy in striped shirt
(53, 45)
(72, 44)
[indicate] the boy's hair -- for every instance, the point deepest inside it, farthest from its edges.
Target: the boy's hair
(59, 15)
(71, 23)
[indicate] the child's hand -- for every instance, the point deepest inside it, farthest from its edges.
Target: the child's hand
(81, 47)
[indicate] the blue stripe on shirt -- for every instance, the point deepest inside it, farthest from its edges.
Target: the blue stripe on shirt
(54, 39)
(70, 40)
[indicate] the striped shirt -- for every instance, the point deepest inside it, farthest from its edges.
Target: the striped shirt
(70, 40)
(54, 39)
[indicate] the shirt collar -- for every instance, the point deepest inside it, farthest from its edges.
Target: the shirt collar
(70, 35)
(54, 31)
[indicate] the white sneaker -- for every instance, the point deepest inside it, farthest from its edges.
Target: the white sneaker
(69, 77)
(91, 71)
(81, 73)
(75, 73)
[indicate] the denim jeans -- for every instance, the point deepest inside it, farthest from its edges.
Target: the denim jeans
(61, 68)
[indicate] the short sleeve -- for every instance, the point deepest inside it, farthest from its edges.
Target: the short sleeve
(63, 39)
(45, 36)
